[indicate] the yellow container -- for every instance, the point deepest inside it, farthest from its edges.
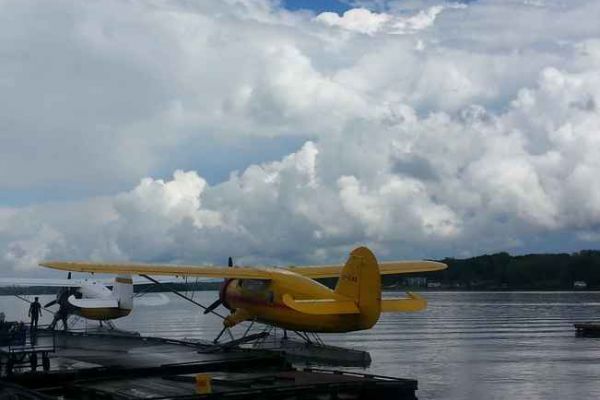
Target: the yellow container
(203, 384)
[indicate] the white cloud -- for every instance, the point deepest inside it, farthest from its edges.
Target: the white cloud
(475, 129)
(357, 19)
(365, 21)
(24, 253)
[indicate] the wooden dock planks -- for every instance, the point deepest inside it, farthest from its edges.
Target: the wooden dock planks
(130, 368)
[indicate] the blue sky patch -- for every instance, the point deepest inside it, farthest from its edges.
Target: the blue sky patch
(317, 6)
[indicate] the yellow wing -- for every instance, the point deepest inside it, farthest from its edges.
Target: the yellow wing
(385, 268)
(322, 271)
(160, 269)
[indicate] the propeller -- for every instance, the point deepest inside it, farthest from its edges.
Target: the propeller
(218, 302)
(59, 294)
(64, 308)
(50, 304)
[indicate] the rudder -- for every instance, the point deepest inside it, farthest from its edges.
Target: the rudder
(360, 281)
(123, 291)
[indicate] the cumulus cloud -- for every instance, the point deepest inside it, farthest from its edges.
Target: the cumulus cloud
(365, 21)
(357, 19)
(428, 129)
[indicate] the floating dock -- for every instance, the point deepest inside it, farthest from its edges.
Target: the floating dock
(127, 367)
(298, 351)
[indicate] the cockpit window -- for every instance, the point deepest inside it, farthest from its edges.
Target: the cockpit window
(255, 285)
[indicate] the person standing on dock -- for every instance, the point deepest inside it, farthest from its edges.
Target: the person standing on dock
(35, 312)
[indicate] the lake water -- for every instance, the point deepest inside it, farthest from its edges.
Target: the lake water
(466, 345)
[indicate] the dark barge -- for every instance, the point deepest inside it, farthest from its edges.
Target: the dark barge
(587, 329)
(127, 367)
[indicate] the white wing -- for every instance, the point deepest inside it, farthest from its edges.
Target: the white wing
(29, 282)
(49, 282)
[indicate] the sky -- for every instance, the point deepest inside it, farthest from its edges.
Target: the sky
(289, 132)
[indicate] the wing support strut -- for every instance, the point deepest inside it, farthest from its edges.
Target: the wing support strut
(183, 296)
(178, 293)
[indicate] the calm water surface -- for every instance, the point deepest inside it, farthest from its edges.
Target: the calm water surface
(467, 345)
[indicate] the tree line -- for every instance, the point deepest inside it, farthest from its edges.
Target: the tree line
(501, 271)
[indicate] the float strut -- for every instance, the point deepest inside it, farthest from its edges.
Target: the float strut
(219, 335)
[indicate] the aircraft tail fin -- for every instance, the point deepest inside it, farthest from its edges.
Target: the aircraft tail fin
(360, 281)
(123, 291)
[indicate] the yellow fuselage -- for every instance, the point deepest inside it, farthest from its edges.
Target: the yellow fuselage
(262, 300)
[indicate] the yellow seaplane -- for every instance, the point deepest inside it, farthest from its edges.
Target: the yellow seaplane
(290, 298)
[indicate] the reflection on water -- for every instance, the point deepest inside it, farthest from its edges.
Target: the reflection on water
(467, 345)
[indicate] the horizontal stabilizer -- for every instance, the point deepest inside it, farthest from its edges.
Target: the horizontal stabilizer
(93, 303)
(321, 306)
(412, 303)
(158, 299)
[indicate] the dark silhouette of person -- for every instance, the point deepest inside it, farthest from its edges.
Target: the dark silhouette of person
(64, 310)
(35, 312)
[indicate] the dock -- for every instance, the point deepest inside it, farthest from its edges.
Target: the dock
(298, 351)
(128, 367)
